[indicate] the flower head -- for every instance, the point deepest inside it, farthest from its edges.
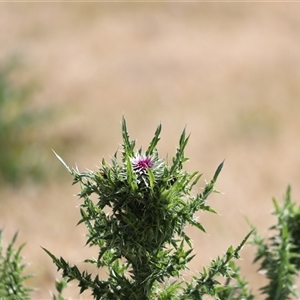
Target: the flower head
(140, 163)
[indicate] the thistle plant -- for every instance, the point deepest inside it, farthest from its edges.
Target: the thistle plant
(138, 224)
(12, 277)
(279, 255)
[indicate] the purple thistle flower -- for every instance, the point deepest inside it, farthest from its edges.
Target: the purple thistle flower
(142, 163)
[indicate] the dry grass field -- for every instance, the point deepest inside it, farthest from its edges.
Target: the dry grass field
(229, 72)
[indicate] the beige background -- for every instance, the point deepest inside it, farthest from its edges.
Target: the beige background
(230, 72)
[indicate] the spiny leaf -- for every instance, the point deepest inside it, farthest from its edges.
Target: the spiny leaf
(128, 146)
(154, 141)
(61, 160)
(130, 175)
(219, 169)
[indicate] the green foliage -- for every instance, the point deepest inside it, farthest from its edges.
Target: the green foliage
(235, 287)
(60, 285)
(138, 225)
(279, 256)
(12, 279)
(19, 156)
(207, 284)
(137, 222)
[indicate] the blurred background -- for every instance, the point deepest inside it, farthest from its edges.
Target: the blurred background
(229, 72)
